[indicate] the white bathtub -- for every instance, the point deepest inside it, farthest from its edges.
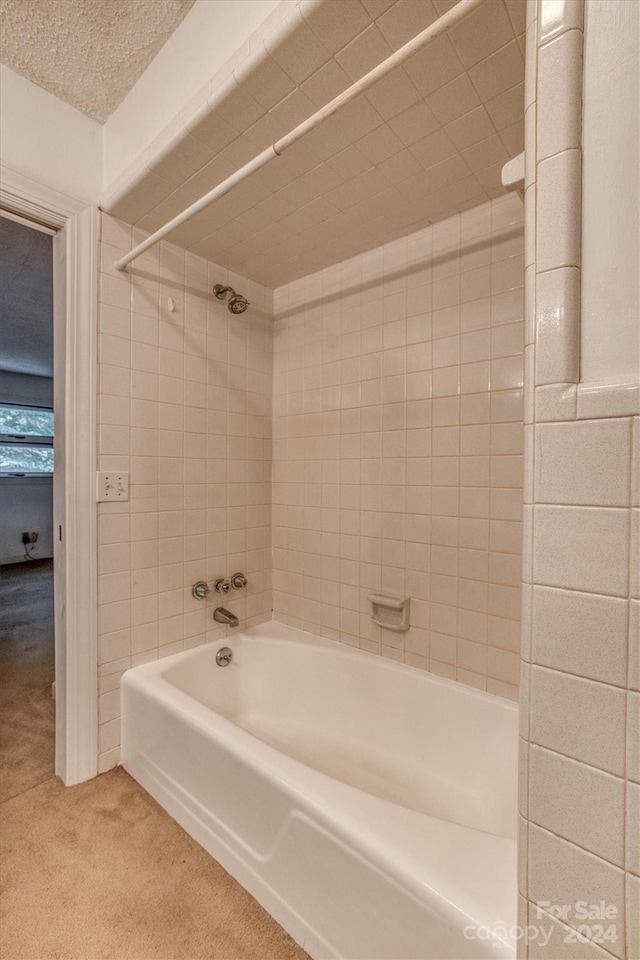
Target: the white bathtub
(368, 806)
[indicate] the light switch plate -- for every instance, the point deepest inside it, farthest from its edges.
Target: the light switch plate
(113, 485)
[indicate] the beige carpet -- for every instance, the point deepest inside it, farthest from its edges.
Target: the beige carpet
(26, 674)
(101, 871)
(98, 871)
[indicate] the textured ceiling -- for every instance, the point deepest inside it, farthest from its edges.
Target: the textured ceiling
(427, 141)
(86, 52)
(26, 300)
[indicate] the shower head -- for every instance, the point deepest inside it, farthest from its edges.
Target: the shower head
(237, 303)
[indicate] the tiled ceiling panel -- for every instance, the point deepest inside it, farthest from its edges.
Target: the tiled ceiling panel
(428, 140)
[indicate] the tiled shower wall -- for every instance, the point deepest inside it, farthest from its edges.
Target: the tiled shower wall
(580, 706)
(398, 439)
(185, 406)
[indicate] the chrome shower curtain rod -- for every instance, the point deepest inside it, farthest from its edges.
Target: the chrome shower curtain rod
(438, 27)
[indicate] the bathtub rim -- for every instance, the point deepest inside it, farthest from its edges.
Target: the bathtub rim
(275, 630)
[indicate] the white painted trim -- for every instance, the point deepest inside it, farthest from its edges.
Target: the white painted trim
(28, 222)
(76, 595)
(25, 195)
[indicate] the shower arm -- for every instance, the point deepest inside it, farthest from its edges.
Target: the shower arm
(438, 27)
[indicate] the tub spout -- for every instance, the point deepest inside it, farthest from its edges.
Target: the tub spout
(222, 615)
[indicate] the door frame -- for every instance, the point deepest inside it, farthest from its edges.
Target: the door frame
(75, 279)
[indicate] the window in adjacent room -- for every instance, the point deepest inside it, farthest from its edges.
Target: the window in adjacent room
(26, 441)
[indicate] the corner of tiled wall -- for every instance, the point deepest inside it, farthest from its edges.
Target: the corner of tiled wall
(580, 774)
(398, 446)
(185, 406)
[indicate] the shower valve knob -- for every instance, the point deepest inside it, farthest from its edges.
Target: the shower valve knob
(222, 586)
(238, 581)
(200, 590)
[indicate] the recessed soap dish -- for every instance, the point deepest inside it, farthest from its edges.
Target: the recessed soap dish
(390, 611)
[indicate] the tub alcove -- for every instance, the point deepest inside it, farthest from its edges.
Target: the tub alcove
(356, 431)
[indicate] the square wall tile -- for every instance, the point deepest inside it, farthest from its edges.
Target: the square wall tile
(583, 463)
(632, 832)
(577, 802)
(580, 633)
(563, 709)
(633, 736)
(561, 873)
(635, 463)
(582, 548)
(633, 916)
(550, 937)
(634, 645)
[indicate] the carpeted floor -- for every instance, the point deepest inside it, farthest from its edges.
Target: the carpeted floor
(101, 872)
(98, 871)
(26, 674)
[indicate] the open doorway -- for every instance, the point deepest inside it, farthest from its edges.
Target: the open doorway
(75, 297)
(27, 665)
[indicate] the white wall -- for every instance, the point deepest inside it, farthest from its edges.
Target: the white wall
(26, 505)
(610, 330)
(209, 35)
(46, 139)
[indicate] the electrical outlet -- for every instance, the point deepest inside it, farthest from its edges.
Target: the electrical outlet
(29, 538)
(113, 486)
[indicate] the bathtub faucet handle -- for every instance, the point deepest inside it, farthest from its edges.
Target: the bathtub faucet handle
(238, 581)
(222, 586)
(201, 590)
